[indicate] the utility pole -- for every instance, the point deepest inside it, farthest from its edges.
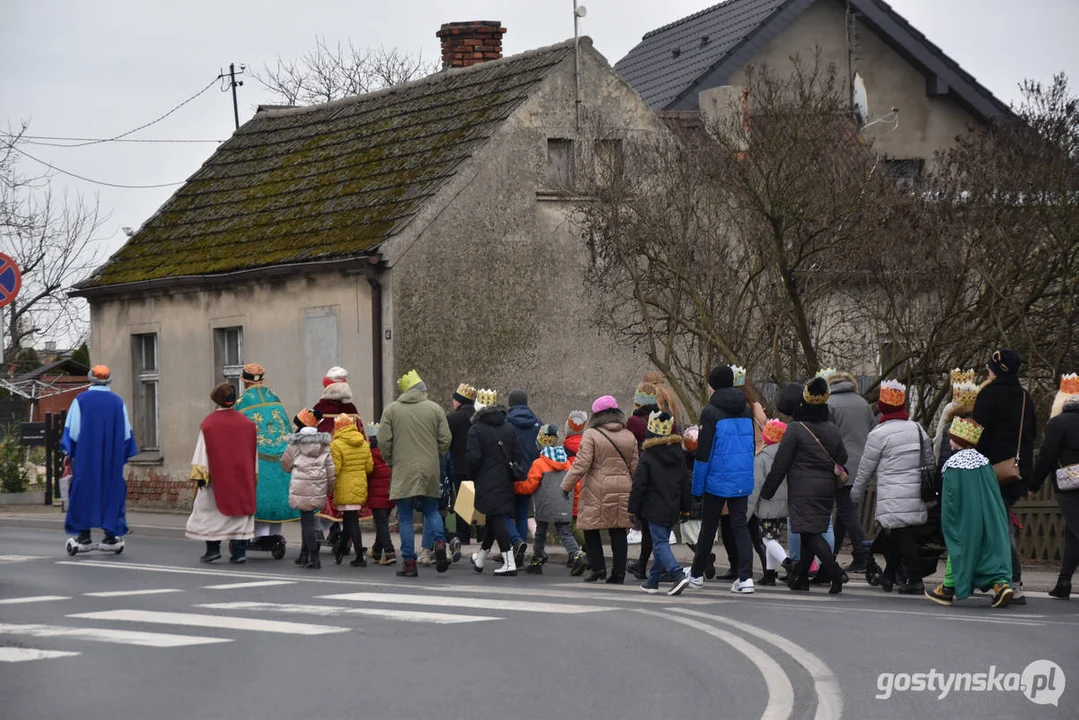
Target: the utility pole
(579, 11)
(233, 83)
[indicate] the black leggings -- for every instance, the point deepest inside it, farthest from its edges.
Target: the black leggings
(757, 539)
(593, 547)
(1069, 555)
(351, 530)
(309, 547)
(646, 544)
(815, 544)
(383, 541)
(495, 529)
(902, 548)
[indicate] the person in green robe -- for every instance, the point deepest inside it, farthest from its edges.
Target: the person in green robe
(974, 522)
(264, 408)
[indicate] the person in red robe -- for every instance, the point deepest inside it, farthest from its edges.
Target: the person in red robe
(225, 468)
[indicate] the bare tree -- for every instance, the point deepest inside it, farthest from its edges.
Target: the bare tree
(52, 239)
(330, 73)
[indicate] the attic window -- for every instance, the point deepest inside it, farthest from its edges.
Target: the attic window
(676, 52)
(559, 163)
(704, 40)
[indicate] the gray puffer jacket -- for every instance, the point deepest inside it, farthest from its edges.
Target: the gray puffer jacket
(775, 508)
(309, 461)
(896, 450)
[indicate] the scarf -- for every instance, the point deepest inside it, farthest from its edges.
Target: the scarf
(900, 414)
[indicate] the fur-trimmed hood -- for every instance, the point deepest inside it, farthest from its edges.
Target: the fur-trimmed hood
(337, 391)
(838, 382)
(608, 417)
(310, 443)
(664, 440)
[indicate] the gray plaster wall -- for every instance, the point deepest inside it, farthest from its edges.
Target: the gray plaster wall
(926, 124)
(289, 326)
(489, 287)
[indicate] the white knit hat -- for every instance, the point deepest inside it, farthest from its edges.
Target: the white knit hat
(337, 374)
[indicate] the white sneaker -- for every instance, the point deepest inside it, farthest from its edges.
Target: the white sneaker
(694, 582)
(745, 587)
(424, 557)
(633, 537)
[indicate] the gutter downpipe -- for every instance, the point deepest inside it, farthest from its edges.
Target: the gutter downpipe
(374, 278)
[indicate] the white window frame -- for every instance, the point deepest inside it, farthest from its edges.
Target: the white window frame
(224, 370)
(146, 380)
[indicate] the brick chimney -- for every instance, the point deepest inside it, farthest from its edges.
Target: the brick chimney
(470, 43)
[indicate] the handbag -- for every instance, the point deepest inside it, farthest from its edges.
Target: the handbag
(930, 479)
(1068, 478)
(517, 473)
(842, 477)
(1007, 471)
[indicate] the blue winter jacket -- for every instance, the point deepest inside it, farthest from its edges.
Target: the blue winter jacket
(527, 426)
(724, 464)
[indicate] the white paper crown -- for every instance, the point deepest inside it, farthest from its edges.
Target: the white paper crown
(827, 372)
(739, 375)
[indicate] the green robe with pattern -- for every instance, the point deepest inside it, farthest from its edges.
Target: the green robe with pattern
(263, 408)
(975, 524)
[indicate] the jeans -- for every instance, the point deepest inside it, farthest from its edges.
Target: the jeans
(518, 524)
(309, 546)
(795, 542)
(661, 549)
(848, 521)
(593, 546)
(237, 548)
(432, 523)
(383, 541)
(569, 542)
(497, 528)
(713, 508)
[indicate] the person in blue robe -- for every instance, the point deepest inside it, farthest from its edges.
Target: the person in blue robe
(98, 440)
(264, 408)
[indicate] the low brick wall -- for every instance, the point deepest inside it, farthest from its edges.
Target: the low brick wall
(149, 489)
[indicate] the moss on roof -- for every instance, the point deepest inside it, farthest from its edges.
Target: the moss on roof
(327, 181)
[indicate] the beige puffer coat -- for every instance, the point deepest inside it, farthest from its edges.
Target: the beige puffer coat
(607, 475)
(308, 459)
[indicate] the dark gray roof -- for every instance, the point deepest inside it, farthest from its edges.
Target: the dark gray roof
(716, 42)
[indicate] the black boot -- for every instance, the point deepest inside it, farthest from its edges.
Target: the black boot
(213, 551)
(596, 575)
(313, 563)
(1063, 588)
(839, 581)
(768, 578)
(637, 569)
(301, 559)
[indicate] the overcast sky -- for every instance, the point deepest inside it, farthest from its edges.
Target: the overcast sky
(101, 67)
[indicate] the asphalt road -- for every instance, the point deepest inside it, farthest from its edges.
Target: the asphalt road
(153, 633)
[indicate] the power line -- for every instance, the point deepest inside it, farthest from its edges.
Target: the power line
(89, 180)
(39, 140)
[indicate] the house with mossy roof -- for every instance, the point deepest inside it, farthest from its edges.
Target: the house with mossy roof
(424, 226)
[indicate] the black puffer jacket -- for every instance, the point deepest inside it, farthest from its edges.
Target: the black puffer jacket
(488, 463)
(460, 421)
(999, 409)
(661, 482)
(1060, 448)
(808, 469)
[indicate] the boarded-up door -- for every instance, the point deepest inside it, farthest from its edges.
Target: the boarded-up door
(320, 349)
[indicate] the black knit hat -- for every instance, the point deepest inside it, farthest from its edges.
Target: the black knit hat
(721, 377)
(518, 397)
(1005, 362)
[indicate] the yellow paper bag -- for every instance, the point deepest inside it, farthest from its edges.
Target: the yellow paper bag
(466, 503)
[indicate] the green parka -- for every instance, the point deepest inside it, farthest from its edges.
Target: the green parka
(413, 436)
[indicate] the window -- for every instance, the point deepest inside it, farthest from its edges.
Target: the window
(560, 164)
(906, 173)
(609, 162)
(229, 356)
(144, 352)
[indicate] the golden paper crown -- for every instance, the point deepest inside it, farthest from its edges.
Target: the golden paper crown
(893, 392)
(739, 375)
(547, 436)
(409, 380)
(962, 376)
(660, 423)
(820, 397)
(964, 393)
(486, 397)
(342, 420)
(466, 391)
(1069, 384)
(966, 430)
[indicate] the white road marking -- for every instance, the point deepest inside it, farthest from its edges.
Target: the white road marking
(238, 586)
(337, 610)
(130, 593)
(121, 637)
(18, 654)
(468, 603)
(780, 691)
(210, 621)
(7, 559)
(34, 599)
(829, 696)
(1004, 619)
(632, 594)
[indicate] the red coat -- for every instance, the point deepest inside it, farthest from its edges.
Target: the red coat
(572, 445)
(378, 483)
(231, 445)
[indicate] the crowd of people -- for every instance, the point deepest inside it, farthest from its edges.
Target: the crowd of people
(593, 477)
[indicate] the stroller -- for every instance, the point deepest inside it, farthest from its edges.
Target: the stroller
(930, 541)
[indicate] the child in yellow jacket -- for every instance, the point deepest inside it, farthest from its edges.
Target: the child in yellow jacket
(352, 461)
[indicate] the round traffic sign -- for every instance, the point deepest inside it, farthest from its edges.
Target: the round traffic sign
(10, 280)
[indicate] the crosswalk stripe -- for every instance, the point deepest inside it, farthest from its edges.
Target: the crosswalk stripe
(130, 593)
(7, 559)
(210, 621)
(237, 586)
(121, 637)
(34, 599)
(19, 654)
(632, 593)
(473, 603)
(337, 610)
